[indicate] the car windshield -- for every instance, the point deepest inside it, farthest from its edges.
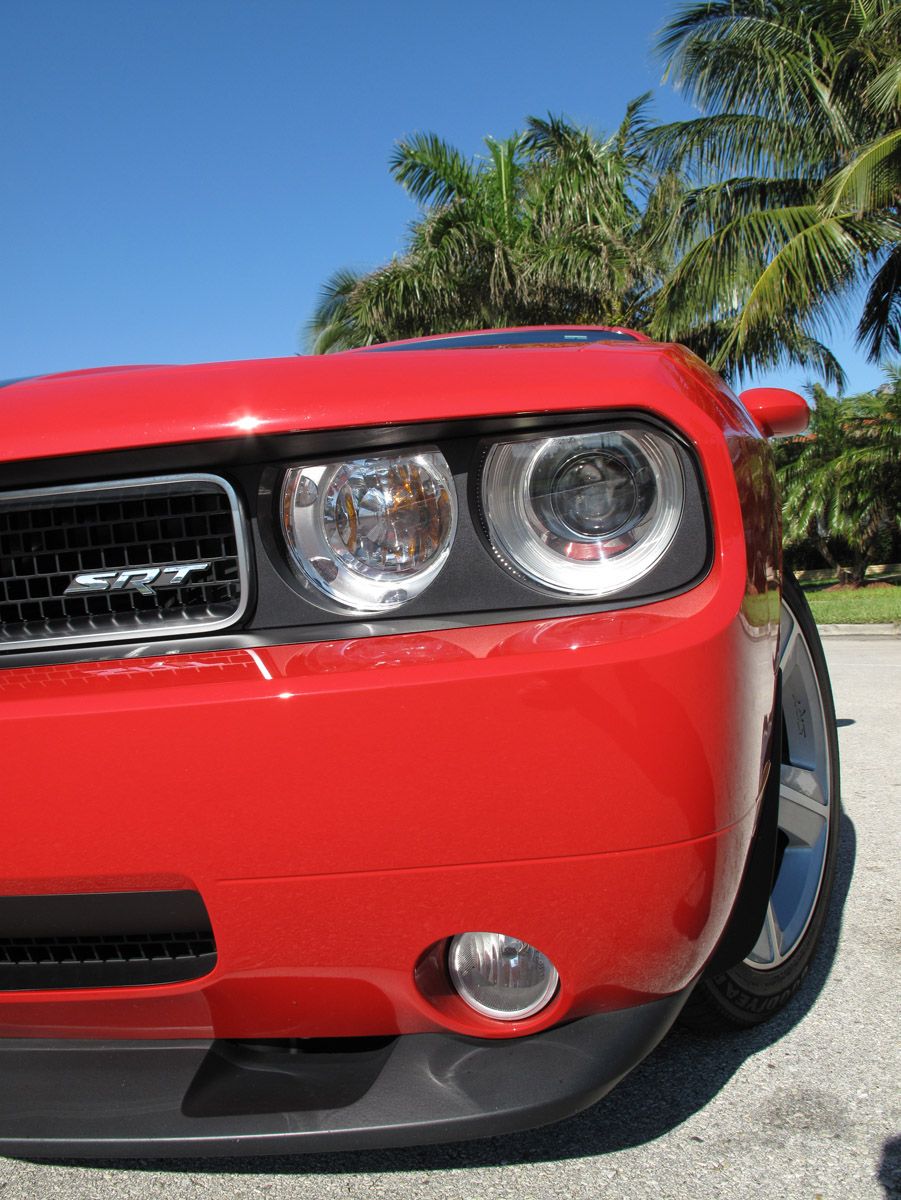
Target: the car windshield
(502, 338)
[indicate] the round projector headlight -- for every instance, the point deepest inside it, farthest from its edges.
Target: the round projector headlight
(500, 976)
(585, 513)
(370, 533)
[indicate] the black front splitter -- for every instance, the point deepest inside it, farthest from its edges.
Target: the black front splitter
(89, 1099)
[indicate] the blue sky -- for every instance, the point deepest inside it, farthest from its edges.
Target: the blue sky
(180, 176)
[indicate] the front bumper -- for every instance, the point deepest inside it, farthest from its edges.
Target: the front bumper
(200, 1098)
(588, 784)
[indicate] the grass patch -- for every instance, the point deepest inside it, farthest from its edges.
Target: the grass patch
(876, 604)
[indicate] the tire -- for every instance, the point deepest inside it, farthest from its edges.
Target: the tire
(809, 808)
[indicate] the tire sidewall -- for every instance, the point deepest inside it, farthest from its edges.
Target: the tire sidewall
(748, 995)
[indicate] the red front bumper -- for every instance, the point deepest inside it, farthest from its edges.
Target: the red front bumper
(588, 784)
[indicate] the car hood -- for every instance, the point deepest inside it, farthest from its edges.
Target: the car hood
(116, 408)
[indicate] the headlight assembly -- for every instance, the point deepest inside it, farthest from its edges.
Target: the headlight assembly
(370, 533)
(610, 512)
(587, 514)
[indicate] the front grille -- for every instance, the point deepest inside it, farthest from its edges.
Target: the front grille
(103, 940)
(120, 561)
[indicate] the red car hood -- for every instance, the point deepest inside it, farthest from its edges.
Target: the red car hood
(121, 407)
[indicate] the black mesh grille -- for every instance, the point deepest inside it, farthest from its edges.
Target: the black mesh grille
(103, 940)
(106, 948)
(154, 527)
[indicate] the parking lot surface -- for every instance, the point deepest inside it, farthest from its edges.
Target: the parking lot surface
(805, 1107)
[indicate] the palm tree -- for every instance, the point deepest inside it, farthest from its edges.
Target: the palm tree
(553, 225)
(797, 167)
(842, 481)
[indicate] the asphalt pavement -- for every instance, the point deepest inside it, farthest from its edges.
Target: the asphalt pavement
(806, 1107)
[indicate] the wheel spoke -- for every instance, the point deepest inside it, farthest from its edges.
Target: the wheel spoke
(803, 810)
(767, 950)
(788, 638)
(774, 932)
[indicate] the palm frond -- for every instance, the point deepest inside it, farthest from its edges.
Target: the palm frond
(506, 182)
(884, 91)
(815, 265)
(331, 326)
(630, 139)
(432, 171)
(707, 209)
(880, 323)
(871, 180)
(723, 143)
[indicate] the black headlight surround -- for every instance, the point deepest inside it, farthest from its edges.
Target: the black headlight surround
(474, 587)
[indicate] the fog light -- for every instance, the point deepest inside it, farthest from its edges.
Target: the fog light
(501, 976)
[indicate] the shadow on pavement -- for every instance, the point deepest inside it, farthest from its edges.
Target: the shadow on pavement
(889, 1174)
(684, 1073)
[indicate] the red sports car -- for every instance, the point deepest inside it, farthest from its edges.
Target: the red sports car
(394, 743)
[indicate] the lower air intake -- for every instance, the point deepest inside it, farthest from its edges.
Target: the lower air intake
(120, 939)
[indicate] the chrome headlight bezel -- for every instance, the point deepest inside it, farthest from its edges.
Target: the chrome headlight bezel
(313, 500)
(528, 535)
